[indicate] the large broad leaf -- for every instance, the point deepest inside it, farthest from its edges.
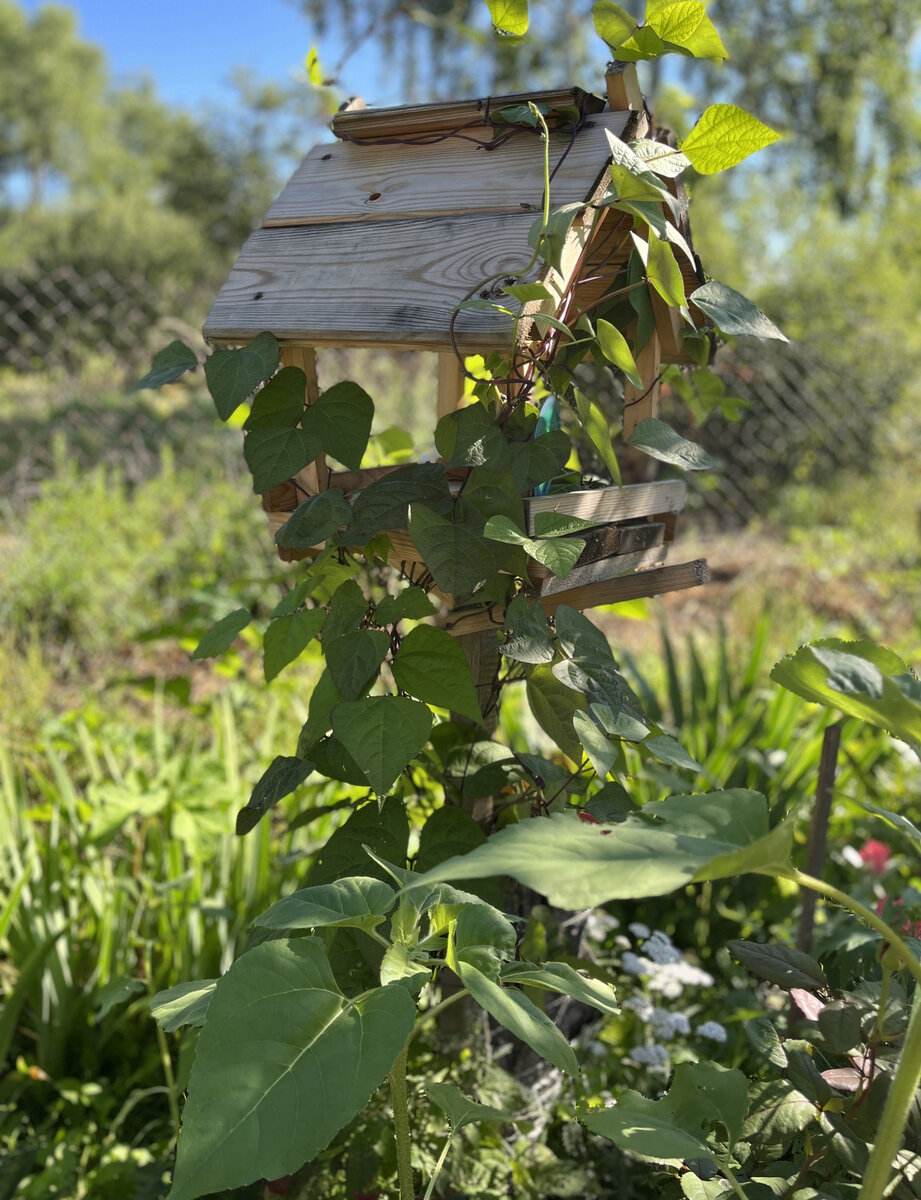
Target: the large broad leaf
(168, 364)
(384, 504)
(357, 901)
(685, 26)
(184, 1004)
(318, 518)
(470, 438)
(860, 679)
(221, 635)
(459, 559)
(661, 158)
(783, 965)
(520, 1016)
(431, 666)
(354, 660)
(553, 706)
(232, 375)
(383, 734)
(733, 313)
(659, 440)
(280, 402)
(723, 136)
(283, 776)
(716, 835)
(448, 831)
(287, 637)
(280, 1035)
(275, 455)
(612, 23)
(704, 1098)
(341, 422)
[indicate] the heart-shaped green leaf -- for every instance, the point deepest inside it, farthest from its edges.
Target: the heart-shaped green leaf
(232, 375)
(168, 364)
(280, 402)
(283, 776)
(221, 635)
(432, 666)
(276, 454)
(383, 734)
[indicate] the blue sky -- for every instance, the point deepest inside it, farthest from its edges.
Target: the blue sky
(190, 47)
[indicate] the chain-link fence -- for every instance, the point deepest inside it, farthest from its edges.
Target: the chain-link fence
(803, 418)
(57, 318)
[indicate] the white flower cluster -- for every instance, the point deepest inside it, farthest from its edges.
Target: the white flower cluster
(661, 963)
(712, 1030)
(654, 1056)
(665, 1024)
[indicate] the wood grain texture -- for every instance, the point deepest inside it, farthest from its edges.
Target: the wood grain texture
(612, 591)
(365, 284)
(607, 505)
(348, 182)
(408, 119)
(604, 569)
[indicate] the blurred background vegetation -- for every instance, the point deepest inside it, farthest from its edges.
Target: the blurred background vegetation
(127, 524)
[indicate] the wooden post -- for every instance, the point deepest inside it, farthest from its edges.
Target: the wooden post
(450, 383)
(314, 478)
(642, 402)
(623, 88)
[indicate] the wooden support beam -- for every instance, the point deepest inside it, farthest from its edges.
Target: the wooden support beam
(314, 477)
(612, 591)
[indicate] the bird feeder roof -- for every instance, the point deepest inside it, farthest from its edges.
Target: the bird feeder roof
(379, 235)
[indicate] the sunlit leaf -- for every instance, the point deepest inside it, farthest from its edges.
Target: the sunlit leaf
(356, 901)
(509, 16)
(616, 350)
(460, 1109)
(660, 441)
(184, 1004)
(723, 136)
(732, 313)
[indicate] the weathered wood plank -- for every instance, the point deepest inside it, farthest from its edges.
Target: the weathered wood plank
(612, 591)
(605, 505)
(347, 182)
(603, 569)
(608, 540)
(406, 120)
(363, 284)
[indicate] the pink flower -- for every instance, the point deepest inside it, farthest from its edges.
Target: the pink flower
(875, 855)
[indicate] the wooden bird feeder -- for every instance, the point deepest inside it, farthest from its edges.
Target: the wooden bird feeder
(378, 237)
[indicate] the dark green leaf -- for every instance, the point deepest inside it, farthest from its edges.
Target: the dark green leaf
(448, 831)
(318, 518)
(764, 1037)
(383, 734)
(282, 777)
(184, 1004)
(776, 1113)
(279, 1034)
(412, 604)
(459, 559)
(600, 432)
(384, 829)
(601, 753)
(323, 699)
(221, 635)
(432, 666)
(520, 1016)
(232, 375)
(470, 437)
(612, 803)
(331, 759)
(560, 977)
(280, 402)
(528, 634)
(168, 364)
(839, 1025)
(383, 504)
(547, 455)
(460, 1109)
(660, 441)
(732, 313)
(354, 660)
(357, 901)
(341, 422)
(669, 751)
(704, 1097)
(554, 705)
(782, 965)
(347, 610)
(275, 455)
(287, 637)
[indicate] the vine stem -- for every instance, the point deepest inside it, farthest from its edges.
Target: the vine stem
(907, 1077)
(437, 1170)
(736, 1186)
(400, 1099)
